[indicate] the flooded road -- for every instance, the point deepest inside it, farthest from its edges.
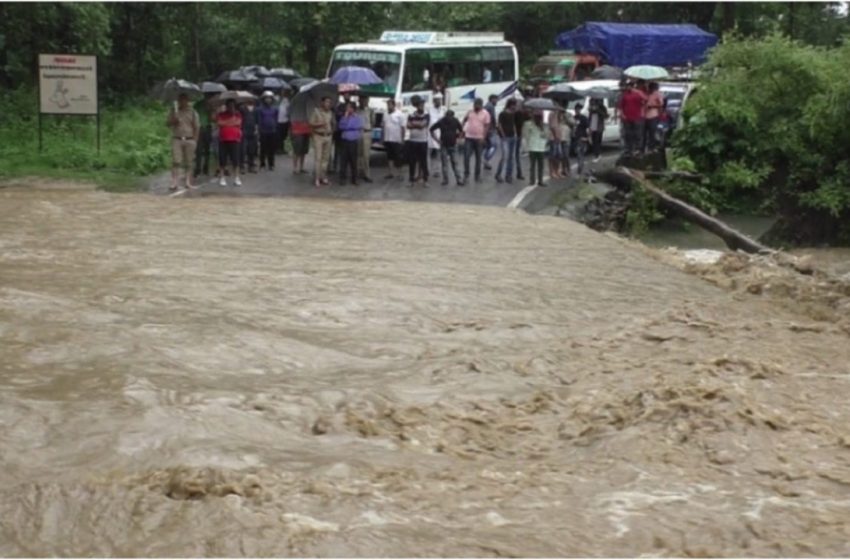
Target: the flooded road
(304, 377)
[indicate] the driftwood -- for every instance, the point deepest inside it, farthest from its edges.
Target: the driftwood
(623, 177)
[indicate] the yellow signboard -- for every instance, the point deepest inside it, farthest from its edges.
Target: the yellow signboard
(68, 84)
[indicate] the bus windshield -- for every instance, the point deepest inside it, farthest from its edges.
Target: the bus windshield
(387, 65)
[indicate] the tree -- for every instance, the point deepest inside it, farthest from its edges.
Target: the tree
(768, 125)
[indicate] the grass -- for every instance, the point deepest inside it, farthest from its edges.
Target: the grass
(134, 143)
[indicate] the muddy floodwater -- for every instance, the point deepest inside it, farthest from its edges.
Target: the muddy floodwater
(231, 377)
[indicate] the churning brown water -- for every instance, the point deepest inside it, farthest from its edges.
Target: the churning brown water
(303, 377)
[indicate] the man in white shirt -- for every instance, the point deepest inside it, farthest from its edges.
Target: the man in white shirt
(436, 112)
(283, 120)
(393, 126)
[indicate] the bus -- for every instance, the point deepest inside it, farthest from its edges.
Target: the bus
(460, 65)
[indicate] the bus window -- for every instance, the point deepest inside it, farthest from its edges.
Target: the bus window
(387, 65)
(457, 66)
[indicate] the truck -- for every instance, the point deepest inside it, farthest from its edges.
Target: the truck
(629, 44)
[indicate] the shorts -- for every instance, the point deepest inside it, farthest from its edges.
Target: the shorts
(394, 153)
(183, 152)
(301, 144)
(229, 151)
(554, 150)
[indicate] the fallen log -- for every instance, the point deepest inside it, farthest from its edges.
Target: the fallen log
(684, 175)
(735, 240)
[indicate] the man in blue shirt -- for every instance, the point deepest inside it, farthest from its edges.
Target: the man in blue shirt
(350, 132)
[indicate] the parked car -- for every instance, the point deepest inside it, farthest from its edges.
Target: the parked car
(676, 95)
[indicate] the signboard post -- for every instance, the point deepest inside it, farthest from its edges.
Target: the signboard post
(67, 85)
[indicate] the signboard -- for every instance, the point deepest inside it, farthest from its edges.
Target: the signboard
(67, 84)
(407, 36)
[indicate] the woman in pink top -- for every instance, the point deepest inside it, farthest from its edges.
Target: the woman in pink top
(654, 104)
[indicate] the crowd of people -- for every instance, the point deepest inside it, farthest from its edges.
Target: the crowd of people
(641, 107)
(340, 133)
(232, 136)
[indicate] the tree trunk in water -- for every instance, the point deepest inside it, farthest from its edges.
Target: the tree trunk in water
(735, 240)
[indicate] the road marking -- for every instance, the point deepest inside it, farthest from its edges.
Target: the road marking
(520, 196)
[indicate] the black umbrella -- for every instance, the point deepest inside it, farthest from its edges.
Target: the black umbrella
(606, 72)
(255, 70)
(564, 92)
(171, 89)
(287, 74)
(542, 104)
(235, 77)
(306, 100)
(569, 92)
(274, 84)
(212, 87)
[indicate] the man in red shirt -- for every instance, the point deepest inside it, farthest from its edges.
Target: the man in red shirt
(632, 106)
(229, 135)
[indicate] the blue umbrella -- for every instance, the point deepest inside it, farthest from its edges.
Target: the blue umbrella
(355, 75)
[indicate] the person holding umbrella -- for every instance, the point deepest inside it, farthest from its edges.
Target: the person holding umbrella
(322, 124)
(267, 115)
(596, 126)
(351, 135)
(185, 128)
(338, 112)
(631, 109)
(204, 110)
(230, 136)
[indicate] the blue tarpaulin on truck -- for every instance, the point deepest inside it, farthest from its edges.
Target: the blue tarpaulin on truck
(628, 44)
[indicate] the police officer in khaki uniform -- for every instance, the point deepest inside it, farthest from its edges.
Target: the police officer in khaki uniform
(185, 127)
(322, 127)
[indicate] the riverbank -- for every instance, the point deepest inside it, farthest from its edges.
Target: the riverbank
(406, 379)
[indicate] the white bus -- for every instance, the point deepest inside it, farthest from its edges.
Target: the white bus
(462, 65)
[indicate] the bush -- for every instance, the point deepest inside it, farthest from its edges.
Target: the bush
(769, 126)
(134, 141)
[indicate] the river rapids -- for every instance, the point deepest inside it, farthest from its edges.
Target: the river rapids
(293, 377)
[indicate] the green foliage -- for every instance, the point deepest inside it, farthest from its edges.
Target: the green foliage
(770, 124)
(143, 42)
(642, 213)
(134, 142)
